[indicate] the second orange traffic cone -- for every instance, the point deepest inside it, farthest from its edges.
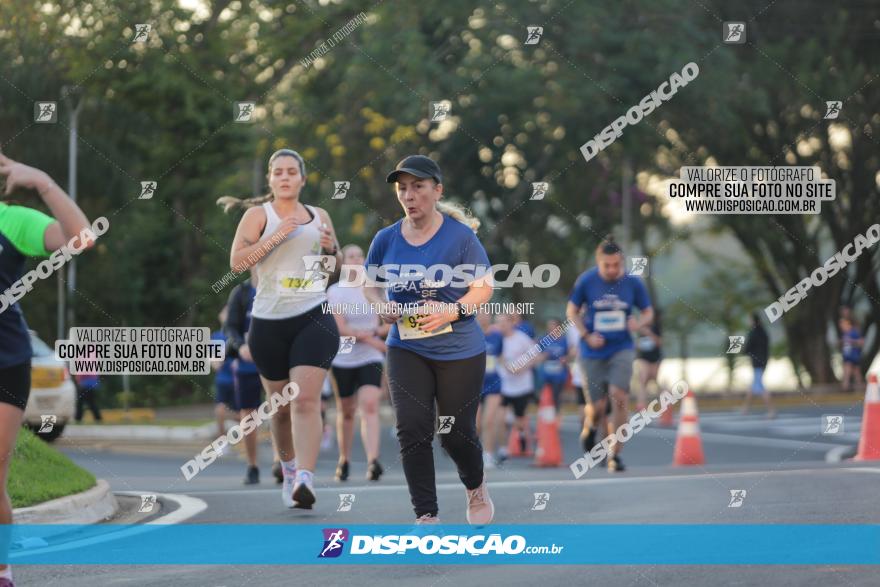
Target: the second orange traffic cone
(688, 446)
(549, 451)
(667, 418)
(869, 443)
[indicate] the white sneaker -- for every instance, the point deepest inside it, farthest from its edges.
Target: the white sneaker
(488, 461)
(287, 491)
(303, 491)
(327, 439)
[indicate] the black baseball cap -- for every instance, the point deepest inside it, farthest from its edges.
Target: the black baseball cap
(417, 165)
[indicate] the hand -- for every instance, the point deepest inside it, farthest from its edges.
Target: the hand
(434, 315)
(595, 340)
(390, 314)
(632, 324)
(328, 242)
(362, 335)
(285, 227)
(23, 176)
(244, 352)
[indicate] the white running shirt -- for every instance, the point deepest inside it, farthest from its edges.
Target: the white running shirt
(516, 346)
(358, 314)
(285, 287)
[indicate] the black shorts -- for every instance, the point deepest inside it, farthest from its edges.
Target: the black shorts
(519, 403)
(278, 346)
(15, 384)
(350, 379)
(248, 391)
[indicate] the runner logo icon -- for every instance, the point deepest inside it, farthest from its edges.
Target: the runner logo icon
(541, 500)
(736, 344)
(47, 423)
(334, 540)
(445, 423)
(534, 34)
(833, 424)
(737, 497)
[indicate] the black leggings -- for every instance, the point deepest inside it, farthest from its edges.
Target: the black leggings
(416, 382)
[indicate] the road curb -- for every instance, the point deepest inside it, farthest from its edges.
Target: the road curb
(90, 506)
(206, 432)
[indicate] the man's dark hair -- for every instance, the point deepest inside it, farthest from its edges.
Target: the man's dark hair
(608, 246)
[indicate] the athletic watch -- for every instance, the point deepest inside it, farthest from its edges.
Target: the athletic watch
(462, 311)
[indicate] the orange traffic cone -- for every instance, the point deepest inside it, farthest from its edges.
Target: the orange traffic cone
(549, 451)
(869, 443)
(515, 445)
(667, 417)
(688, 446)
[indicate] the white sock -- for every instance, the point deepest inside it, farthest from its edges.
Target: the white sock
(288, 468)
(304, 476)
(6, 573)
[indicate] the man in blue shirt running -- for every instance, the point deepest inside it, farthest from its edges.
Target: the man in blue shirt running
(608, 296)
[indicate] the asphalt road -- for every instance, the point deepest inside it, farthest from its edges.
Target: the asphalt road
(780, 463)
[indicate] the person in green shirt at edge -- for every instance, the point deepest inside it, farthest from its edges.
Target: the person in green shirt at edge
(24, 232)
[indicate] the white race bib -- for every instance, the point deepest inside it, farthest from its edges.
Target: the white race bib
(646, 344)
(491, 363)
(409, 328)
(609, 321)
(553, 367)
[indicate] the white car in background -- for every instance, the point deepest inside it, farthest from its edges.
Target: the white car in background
(52, 402)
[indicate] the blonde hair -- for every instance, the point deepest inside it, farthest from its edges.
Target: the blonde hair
(232, 203)
(460, 213)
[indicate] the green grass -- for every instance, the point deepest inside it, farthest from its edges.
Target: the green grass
(39, 473)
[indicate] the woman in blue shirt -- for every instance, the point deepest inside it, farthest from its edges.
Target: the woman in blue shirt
(25, 232)
(436, 352)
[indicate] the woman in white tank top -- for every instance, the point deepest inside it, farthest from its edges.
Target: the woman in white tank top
(285, 243)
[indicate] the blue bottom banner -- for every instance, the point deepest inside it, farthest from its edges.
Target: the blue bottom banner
(287, 544)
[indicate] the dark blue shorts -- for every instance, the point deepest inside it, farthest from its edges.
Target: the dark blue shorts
(248, 391)
(224, 393)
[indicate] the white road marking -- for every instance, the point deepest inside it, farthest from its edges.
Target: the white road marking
(187, 508)
(747, 440)
(531, 483)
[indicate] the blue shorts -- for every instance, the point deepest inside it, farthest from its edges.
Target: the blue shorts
(224, 393)
(248, 391)
(491, 388)
(757, 382)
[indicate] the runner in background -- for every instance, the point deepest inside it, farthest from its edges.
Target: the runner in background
(490, 415)
(609, 295)
(554, 371)
(518, 357)
(851, 343)
(25, 232)
(224, 384)
(648, 357)
(246, 380)
(87, 384)
(577, 379)
(357, 369)
(523, 325)
(757, 347)
(328, 390)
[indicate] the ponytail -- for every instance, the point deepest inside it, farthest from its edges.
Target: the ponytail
(460, 213)
(233, 203)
